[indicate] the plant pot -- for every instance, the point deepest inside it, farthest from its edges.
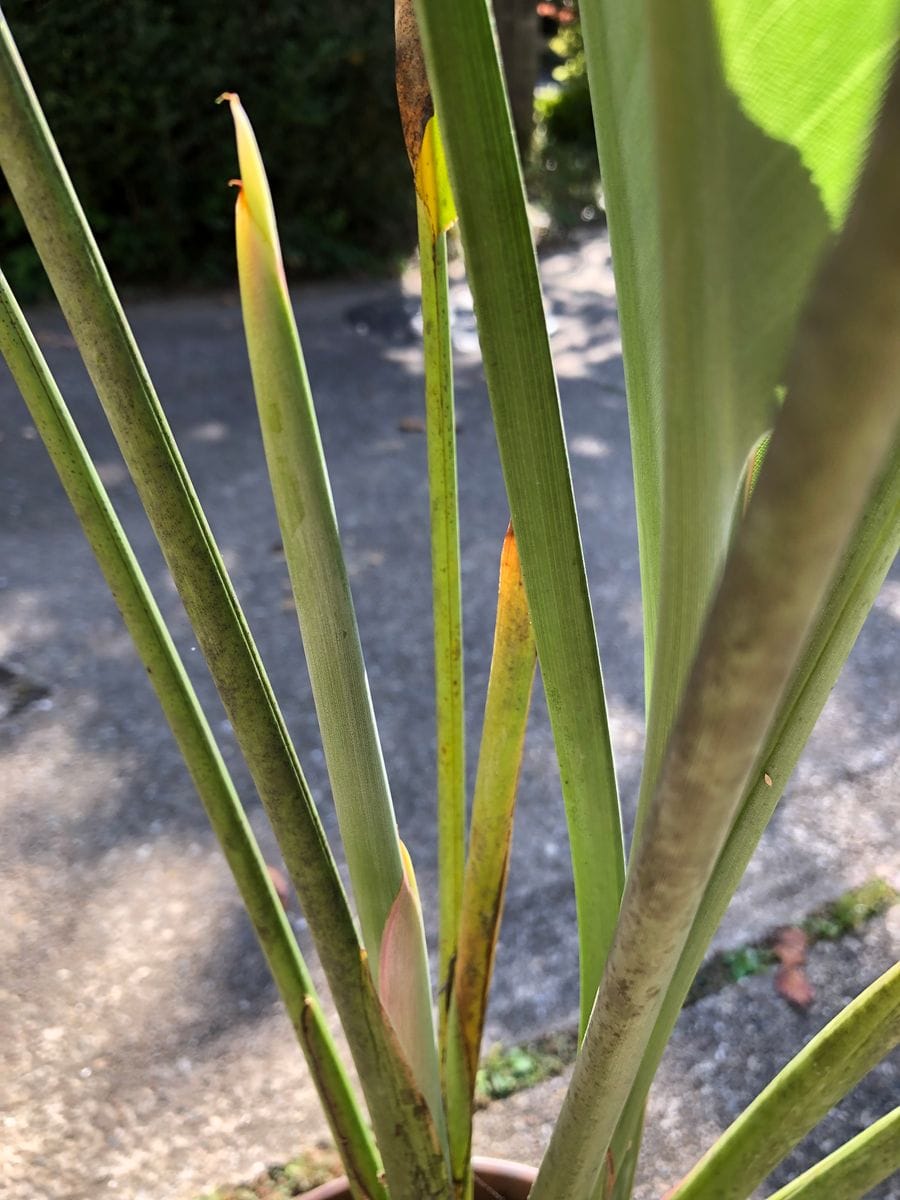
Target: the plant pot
(495, 1179)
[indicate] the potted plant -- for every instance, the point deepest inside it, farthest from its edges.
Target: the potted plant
(757, 255)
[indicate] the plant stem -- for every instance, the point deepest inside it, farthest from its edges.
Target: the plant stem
(874, 546)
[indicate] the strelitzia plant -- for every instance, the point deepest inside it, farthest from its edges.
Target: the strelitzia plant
(750, 154)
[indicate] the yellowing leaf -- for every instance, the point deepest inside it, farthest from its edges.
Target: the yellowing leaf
(502, 742)
(433, 182)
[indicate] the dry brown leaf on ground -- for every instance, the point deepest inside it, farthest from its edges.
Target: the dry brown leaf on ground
(791, 981)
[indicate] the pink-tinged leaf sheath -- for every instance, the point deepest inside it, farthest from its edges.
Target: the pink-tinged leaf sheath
(403, 987)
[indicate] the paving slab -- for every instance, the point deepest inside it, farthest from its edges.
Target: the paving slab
(129, 977)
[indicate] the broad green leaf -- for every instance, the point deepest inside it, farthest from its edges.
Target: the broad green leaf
(824, 1071)
(715, 226)
(714, 229)
(811, 73)
(500, 758)
(313, 551)
(182, 710)
(854, 1168)
(434, 207)
(476, 127)
(821, 464)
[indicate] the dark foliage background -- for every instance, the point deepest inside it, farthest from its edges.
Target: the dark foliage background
(128, 89)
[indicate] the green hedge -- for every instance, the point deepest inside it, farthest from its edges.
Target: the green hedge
(128, 88)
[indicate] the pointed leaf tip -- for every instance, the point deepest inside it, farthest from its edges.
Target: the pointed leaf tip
(254, 186)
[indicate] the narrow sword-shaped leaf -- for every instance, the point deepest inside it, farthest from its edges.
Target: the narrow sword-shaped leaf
(43, 191)
(475, 123)
(324, 605)
(182, 710)
(842, 411)
(854, 1168)
(502, 743)
(874, 547)
(313, 551)
(798, 1097)
(435, 213)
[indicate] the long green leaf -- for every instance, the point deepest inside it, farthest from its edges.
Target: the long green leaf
(475, 123)
(875, 544)
(182, 710)
(43, 191)
(313, 551)
(821, 464)
(435, 213)
(798, 1097)
(854, 1168)
(500, 757)
(324, 605)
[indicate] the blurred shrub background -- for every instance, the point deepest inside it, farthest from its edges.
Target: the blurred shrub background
(128, 89)
(564, 173)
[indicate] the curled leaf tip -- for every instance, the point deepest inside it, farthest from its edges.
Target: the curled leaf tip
(227, 97)
(235, 183)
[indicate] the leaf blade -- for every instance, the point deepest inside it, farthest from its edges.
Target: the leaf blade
(854, 1168)
(476, 127)
(815, 480)
(313, 551)
(828, 1067)
(195, 740)
(510, 684)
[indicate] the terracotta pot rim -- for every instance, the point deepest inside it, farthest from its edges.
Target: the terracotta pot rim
(494, 1170)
